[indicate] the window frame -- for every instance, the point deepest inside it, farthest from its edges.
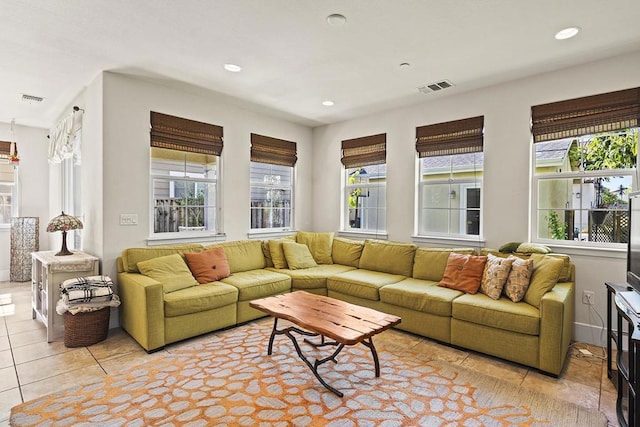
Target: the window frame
(291, 189)
(346, 194)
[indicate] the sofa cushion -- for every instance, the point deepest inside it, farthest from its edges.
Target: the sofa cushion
(319, 244)
(509, 247)
(298, 256)
(463, 272)
(388, 257)
(496, 273)
(258, 284)
(502, 314)
(420, 295)
(209, 265)
(132, 256)
(267, 253)
(199, 298)
(429, 263)
(277, 253)
(243, 255)
(346, 251)
(565, 273)
(170, 270)
(361, 283)
(546, 271)
(532, 248)
(314, 277)
(519, 278)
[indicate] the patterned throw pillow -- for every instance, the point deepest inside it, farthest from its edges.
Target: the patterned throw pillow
(496, 273)
(519, 277)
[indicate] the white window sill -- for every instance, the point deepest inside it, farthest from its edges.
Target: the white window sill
(600, 252)
(450, 241)
(179, 238)
(269, 234)
(380, 235)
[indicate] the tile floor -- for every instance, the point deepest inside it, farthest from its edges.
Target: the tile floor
(31, 367)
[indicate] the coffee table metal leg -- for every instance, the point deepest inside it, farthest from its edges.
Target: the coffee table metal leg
(374, 353)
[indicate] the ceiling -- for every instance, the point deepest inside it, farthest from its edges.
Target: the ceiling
(292, 58)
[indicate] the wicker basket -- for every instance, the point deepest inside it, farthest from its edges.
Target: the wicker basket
(83, 329)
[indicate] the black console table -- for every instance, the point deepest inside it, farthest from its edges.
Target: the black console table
(626, 368)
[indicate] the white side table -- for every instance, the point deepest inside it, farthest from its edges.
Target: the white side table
(48, 272)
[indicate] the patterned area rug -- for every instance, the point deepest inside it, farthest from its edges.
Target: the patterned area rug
(227, 379)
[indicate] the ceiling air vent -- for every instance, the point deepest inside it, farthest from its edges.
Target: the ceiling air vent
(435, 87)
(31, 98)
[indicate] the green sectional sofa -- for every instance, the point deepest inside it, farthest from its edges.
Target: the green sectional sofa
(396, 278)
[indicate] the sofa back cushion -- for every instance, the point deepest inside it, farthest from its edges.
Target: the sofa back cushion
(429, 263)
(243, 255)
(319, 245)
(132, 256)
(170, 270)
(388, 257)
(346, 251)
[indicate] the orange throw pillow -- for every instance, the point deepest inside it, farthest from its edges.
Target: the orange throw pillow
(463, 272)
(208, 266)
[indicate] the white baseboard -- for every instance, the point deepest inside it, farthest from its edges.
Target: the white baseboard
(590, 334)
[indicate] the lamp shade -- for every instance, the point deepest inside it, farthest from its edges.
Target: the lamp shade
(64, 223)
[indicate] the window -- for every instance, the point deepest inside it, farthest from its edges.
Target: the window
(185, 160)
(8, 182)
(272, 178)
(450, 178)
(365, 189)
(585, 155)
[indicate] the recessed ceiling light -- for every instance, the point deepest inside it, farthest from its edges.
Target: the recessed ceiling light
(328, 103)
(567, 33)
(336, 20)
(233, 68)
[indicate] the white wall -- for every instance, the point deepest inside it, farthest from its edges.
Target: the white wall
(33, 185)
(120, 158)
(507, 164)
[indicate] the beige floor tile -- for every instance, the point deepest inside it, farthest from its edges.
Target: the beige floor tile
(117, 344)
(50, 366)
(6, 358)
(29, 337)
(496, 368)
(8, 379)
(560, 388)
(440, 352)
(128, 360)
(3, 328)
(62, 381)
(25, 326)
(583, 370)
(4, 343)
(38, 350)
(8, 399)
(608, 395)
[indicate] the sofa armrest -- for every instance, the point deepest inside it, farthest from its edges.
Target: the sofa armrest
(142, 309)
(556, 325)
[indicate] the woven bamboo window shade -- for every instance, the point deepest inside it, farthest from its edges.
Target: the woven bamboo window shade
(448, 138)
(584, 116)
(176, 133)
(274, 151)
(7, 149)
(364, 151)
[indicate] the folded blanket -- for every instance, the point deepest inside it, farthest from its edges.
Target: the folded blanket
(91, 289)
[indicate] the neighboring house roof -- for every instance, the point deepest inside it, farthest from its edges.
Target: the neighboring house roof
(460, 162)
(552, 152)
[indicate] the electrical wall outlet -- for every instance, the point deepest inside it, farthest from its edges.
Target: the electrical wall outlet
(588, 297)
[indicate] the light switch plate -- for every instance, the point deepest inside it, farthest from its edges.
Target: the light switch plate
(128, 219)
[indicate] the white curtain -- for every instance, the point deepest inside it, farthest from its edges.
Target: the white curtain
(64, 140)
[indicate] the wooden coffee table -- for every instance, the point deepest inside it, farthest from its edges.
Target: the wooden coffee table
(341, 322)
